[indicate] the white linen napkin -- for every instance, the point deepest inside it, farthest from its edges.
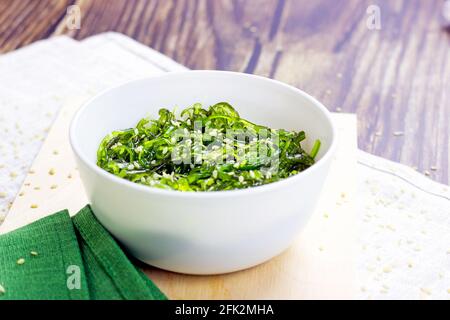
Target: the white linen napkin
(404, 217)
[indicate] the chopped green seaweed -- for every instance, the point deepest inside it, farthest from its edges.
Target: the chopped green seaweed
(204, 150)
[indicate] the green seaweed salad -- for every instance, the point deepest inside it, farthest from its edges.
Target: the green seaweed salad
(204, 150)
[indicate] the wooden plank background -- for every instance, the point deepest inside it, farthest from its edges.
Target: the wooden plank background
(397, 79)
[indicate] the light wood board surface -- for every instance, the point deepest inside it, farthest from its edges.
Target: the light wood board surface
(320, 264)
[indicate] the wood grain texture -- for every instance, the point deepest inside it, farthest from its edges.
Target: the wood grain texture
(396, 79)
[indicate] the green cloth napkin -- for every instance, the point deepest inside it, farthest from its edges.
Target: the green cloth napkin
(59, 257)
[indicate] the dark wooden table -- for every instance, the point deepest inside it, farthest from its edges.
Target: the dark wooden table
(397, 78)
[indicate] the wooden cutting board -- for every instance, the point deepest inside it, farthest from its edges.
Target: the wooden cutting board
(319, 265)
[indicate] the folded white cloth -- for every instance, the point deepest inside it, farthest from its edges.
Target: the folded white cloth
(404, 220)
(404, 217)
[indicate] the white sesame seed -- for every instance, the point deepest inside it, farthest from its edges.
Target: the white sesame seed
(387, 269)
(370, 268)
(390, 227)
(426, 291)
(241, 179)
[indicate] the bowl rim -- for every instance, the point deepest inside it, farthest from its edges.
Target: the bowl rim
(204, 194)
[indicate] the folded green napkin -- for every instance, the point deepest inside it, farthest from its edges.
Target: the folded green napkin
(59, 257)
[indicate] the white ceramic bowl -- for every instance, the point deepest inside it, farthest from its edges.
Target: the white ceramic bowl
(203, 232)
